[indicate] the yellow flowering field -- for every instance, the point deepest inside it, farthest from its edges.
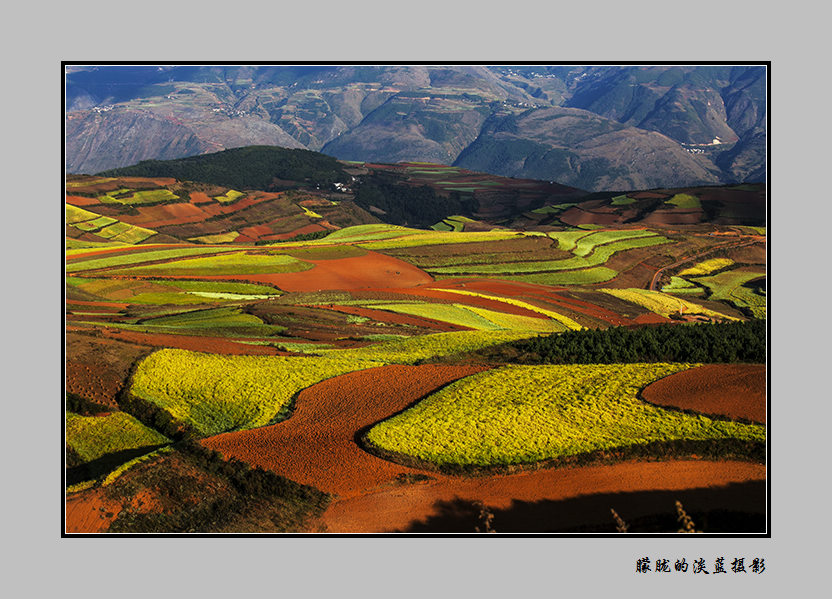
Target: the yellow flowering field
(92, 437)
(216, 393)
(525, 414)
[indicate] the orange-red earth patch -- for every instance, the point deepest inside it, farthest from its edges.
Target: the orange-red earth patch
(317, 445)
(731, 390)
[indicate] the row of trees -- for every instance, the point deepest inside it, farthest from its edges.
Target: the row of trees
(724, 342)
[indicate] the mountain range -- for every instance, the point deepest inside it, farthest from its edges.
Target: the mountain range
(590, 127)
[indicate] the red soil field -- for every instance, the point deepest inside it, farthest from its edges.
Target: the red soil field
(313, 228)
(370, 271)
(90, 511)
(215, 345)
(257, 231)
(165, 215)
(81, 201)
(316, 445)
(200, 197)
(736, 391)
(396, 508)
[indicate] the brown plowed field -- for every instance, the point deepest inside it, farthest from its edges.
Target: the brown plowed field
(96, 367)
(730, 390)
(313, 228)
(317, 446)
(395, 318)
(398, 508)
(214, 345)
(81, 201)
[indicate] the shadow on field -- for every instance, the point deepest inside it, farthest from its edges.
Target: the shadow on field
(734, 508)
(105, 464)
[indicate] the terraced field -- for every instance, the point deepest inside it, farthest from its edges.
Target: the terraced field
(294, 332)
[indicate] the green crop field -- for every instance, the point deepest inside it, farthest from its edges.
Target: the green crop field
(525, 414)
(325, 252)
(216, 394)
(585, 245)
(729, 286)
(226, 264)
(220, 287)
(622, 200)
(74, 215)
(93, 437)
(680, 285)
(451, 313)
(125, 233)
(228, 321)
(586, 276)
(138, 256)
(426, 347)
(426, 238)
(598, 257)
(566, 322)
(684, 201)
(368, 233)
(229, 237)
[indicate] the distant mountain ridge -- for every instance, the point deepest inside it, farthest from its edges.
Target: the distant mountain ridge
(644, 126)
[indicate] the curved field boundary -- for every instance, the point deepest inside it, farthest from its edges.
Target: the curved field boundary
(317, 445)
(383, 316)
(370, 271)
(214, 394)
(731, 391)
(598, 257)
(566, 322)
(78, 263)
(663, 304)
(563, 412)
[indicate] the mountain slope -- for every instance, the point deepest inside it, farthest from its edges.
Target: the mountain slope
(389, 113)
(581, 149)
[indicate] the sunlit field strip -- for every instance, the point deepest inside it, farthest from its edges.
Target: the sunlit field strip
(451, 313)
(586, 276)
(444, 237)
(706, 267)
(585, 245)
(663, 304)
(226, 264)
(215, 394)
(525, 414)
(564, 320)
(597, 258)
(729, 286)
(138, 257)
(425, 347)
(92, 437)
